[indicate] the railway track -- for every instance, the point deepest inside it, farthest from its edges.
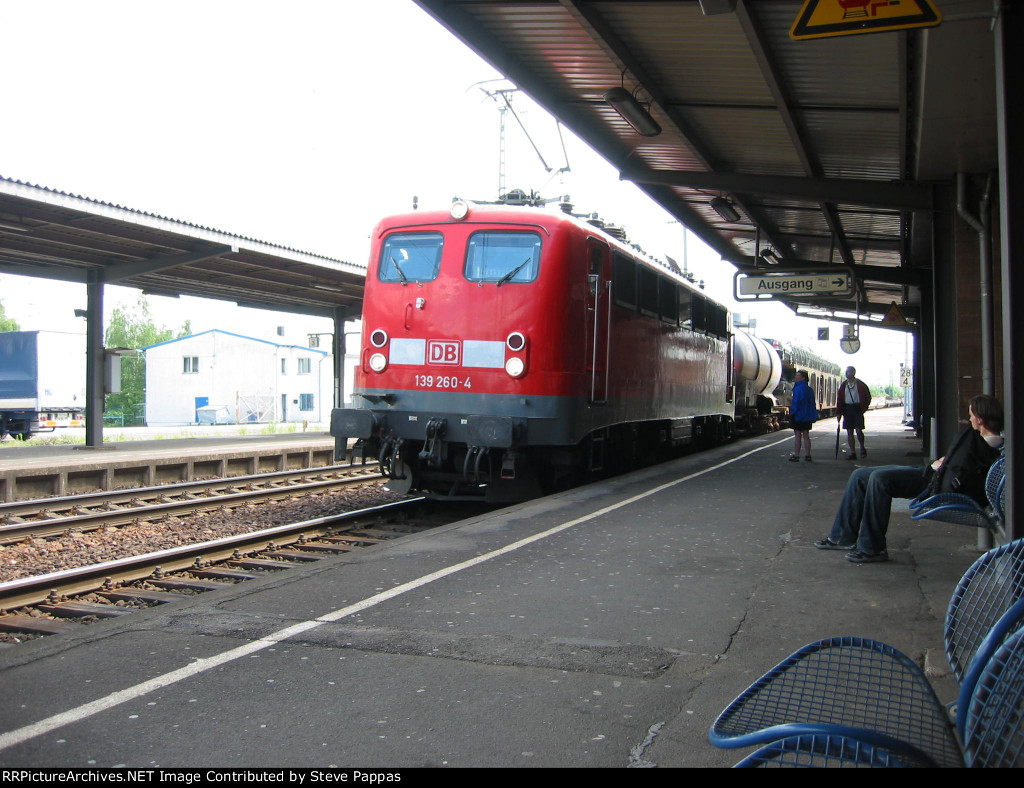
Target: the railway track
(47, 517)
(44, 604)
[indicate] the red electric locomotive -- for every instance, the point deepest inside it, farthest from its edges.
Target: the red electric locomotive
(509, 350)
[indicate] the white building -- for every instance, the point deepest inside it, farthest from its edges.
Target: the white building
(236, 379)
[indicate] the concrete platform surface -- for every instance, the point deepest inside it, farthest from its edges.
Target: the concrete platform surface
(602, 627)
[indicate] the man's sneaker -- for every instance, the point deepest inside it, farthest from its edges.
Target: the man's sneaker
(828, 544)
(860, 557)
(863, 453)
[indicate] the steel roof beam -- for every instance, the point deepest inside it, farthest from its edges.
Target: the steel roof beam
(755, 38)
(119, 271)
(895, 195)
(61, 273)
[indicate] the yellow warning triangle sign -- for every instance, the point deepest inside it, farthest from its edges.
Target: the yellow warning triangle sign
(824, 18)
(894, 317)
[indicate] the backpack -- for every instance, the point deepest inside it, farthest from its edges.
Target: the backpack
(966, 465)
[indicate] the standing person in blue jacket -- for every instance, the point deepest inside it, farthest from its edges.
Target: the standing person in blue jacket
(803, 414)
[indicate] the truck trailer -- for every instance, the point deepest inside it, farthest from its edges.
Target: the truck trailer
(42, 382)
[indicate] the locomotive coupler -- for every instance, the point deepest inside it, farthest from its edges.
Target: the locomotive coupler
(434, 443)
(388, 459)
(359, 452)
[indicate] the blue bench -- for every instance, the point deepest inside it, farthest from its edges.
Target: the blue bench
(993, 734)
(850, 686)
(963, 509)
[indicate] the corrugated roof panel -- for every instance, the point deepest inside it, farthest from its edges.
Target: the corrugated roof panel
(832, 72)
(751, 140)
(856, 145)
(694, 58)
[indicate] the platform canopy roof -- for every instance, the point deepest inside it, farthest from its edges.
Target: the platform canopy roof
(54, 235)
(827, 149)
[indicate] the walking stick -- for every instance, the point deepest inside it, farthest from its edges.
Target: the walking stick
(838, 425)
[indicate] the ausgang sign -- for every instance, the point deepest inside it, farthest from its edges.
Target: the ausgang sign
(836, 281)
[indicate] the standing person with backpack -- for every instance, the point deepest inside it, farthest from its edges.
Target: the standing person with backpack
(803, 414)
(851, 405)
(863, 517)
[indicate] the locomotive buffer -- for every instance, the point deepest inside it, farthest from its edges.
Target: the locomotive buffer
(832, 281)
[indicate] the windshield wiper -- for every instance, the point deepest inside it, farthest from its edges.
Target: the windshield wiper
(514, 271)
(398, 268)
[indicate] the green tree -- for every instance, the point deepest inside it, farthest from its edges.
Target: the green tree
(133, 328)
(7, 323)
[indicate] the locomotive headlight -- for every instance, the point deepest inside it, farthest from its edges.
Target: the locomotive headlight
(379, 338)
(378, 362)
(460, 209)
(515, 367)
(515, 341)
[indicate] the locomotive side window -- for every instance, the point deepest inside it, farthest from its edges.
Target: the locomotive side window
(624, 280)
(668, 302)
(718, 320)
(685, 308)
(648, 282)
(699, 316)
(502, 257)
(410, 257)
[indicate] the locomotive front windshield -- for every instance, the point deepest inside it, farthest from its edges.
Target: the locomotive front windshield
(410, 257)
(502, 257)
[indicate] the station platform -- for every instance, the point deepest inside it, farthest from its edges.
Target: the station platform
(603, 627)
(45, 471)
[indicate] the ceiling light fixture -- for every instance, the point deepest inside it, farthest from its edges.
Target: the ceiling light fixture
(771, 257)
(632, 111)
(724, 209)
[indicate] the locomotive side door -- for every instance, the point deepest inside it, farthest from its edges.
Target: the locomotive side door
(598, 323)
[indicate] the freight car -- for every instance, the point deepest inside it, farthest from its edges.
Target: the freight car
(823, 376)
(508, 351)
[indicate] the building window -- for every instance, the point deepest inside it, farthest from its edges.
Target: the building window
(190, 365)
(284, 366)
(305, 366)
(305, 402)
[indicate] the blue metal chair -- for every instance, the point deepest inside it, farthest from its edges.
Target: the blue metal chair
(963, 509)
(843, 684)
(993, 733)
(830, 752)
(992, 585)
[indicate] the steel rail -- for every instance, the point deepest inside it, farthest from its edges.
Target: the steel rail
(86, 520)
(34, 590)
(63, 503)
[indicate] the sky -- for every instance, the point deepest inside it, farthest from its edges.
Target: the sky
(301, 125)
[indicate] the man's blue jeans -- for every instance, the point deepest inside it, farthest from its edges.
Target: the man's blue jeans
(863, 515)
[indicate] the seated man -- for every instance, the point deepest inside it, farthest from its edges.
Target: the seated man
(863, 516)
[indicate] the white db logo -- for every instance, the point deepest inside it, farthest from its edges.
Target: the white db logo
(441, 351)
